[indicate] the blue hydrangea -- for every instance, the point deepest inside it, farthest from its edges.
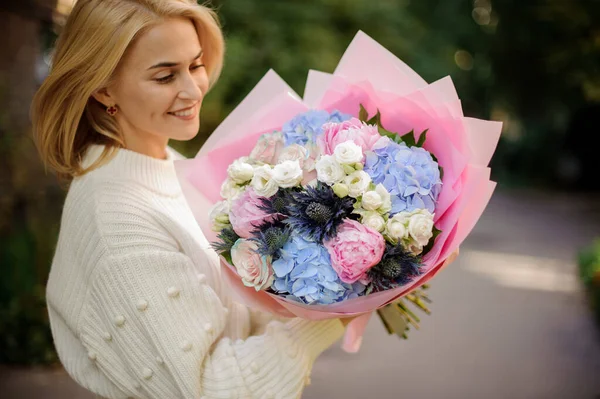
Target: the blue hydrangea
(308, 126)
(304, 273)
(410, 175)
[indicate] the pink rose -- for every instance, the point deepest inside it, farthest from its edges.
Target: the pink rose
(268, 148)
(245, 213)
(354, 250)
(362, 134)
(254, 269)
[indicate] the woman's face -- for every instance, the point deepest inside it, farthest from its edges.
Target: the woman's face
(159, 87)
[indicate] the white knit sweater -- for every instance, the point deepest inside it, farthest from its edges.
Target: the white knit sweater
(137, 306)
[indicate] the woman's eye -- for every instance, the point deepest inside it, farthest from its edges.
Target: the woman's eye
(166, 79)
(170, 77)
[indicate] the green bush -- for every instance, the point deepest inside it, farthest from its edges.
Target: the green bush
(27, 241)
(589, 269)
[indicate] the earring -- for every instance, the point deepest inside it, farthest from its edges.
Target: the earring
(112, 110)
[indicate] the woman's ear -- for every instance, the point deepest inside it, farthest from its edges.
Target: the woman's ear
(103, 97)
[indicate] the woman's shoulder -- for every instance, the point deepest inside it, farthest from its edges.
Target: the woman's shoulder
(123, 216)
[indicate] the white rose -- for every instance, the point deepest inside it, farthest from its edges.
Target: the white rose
(287, 174)
(371, 200)
(219, 215)
(254, 269)
(263, 183)
(348, 152)
(414, 248)
(329, 171)
(357, 182)
(312, 153)
(230, 190)
(420, 226)
(386, 198)
(240, 171)
(373, 220)
(294, 152)
(397, 227)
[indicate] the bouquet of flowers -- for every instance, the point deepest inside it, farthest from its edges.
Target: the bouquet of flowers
(333, 206)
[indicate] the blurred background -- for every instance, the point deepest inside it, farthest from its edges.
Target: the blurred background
(516, 316)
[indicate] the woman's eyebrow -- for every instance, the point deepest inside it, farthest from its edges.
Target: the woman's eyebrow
(172, 64)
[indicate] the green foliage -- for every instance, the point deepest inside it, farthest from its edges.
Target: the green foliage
(26, 246)
(530, 64)
(24, 330)
(589, 270)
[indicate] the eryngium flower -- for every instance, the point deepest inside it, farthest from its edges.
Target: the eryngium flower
(277, 204)
(227, 238)
(397, 267)
(317, 212)
(271, 237)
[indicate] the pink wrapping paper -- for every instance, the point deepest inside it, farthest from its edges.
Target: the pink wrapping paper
(370, 75)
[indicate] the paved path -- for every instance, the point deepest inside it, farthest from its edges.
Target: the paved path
(509, 321)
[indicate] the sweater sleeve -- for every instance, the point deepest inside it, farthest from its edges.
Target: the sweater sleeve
(153, 326)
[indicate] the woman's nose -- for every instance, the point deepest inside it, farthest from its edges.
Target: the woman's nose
(190, 88)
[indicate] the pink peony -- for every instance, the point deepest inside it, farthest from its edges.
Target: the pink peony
(336, 133)
(254, 269)
(245, 213)
(354, 250)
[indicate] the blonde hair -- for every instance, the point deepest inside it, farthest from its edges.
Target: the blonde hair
(97, 34)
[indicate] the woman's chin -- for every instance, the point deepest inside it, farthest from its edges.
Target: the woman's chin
(187, 135)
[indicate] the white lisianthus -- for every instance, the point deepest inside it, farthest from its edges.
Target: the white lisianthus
(396, 228)
(348, 153)
(292, 153)
(386, 199)
(357, 182)
(329, 171)
(287, 174)
(230, 189)
(263, 183)
(420, 226)
(371, 200)
(373, 220)
(219, 215)
(240, 171)
(348, 169)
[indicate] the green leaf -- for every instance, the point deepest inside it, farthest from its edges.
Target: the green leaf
(227, 256)
(436, 232)
(392, 136)
(376, 120)
(409, 139)
(363, 115)
(422, 138)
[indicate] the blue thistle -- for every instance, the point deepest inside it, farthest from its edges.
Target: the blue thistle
(271, 237)
(397, 267)
(276, 204)
(317, 212)
(227, 237)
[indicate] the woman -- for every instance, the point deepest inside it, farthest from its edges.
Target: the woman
(135, 299)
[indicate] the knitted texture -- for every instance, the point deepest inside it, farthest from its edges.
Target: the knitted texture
(136, 302)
